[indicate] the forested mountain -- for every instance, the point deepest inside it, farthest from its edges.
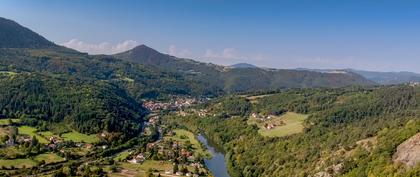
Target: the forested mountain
(234, 79)
(85, 106)
(12, 35)
(387, 78)
(383, 78)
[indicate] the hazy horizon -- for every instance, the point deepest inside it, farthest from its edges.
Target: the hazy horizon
(381, 36)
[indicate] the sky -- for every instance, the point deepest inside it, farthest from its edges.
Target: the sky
(377, 35)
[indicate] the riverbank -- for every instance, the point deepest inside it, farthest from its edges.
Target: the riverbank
(216, 164)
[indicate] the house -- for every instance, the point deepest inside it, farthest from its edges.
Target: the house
(27, 139)
(150, 145)
(10, 142)
(254, 115)
(52, 146)
(88, 146)
(54, 139)
(269, 126)
(191, 158)
(138, 159)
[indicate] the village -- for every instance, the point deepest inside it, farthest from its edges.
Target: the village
(175, 151)
(181, 155)
(268, 121)
(174, 104)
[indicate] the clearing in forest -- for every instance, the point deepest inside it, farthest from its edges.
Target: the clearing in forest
(6, 121)
(32, 131)
(80, 137)
(279, 126)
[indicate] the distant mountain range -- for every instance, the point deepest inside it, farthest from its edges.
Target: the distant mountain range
(388, 78)
(242, 76)
(383, 78)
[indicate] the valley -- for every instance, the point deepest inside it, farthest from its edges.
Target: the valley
(142, 113)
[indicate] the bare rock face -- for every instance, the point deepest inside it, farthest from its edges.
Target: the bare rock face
(408, 152)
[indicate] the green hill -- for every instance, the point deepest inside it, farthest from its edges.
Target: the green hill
(13, 35)
(239, 79)
(85, 106)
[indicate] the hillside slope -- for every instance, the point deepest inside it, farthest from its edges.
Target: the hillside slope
(238, 79)
(349, 132)
(388, 78)
(13, 35)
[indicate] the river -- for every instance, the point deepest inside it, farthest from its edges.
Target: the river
(217, 164)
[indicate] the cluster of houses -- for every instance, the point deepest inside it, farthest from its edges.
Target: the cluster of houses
(18, 140)
(175, 104)
(166, 150)
(178, 173)
(261, 117)
(414, 84)
(153, 120)
(171, 149)
(267, 120)
(200, 112)
(155, 106)
(139, 158)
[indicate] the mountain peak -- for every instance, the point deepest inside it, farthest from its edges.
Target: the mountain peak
(144, 55)
(243, 65)
(142, 47)
(14, 35)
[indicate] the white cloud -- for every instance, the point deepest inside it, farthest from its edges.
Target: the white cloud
(184, 53)
(227, 53)
(229, 56)
(100, 48)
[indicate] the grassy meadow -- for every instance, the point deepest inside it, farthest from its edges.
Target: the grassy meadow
(80, 137)
(292, 124)
(183, 136)
(31, 131)
(49, 158)
(6, 121)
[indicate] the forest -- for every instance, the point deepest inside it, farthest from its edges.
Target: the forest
(382, 116)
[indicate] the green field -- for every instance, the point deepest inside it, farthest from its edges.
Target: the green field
(293, 124)
(122, 156)
(10, 152)
(49, 158)
(254, 99)
(18, 163)
(31, 131)
(6, 121)
(7, 73)
(28, 163)
(80, 137)
(179, 133)
(148, 164)
(47, 134)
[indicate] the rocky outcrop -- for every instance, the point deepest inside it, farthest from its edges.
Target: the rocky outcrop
(408, 152)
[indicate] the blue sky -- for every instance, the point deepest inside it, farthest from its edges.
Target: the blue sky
(372, 35)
